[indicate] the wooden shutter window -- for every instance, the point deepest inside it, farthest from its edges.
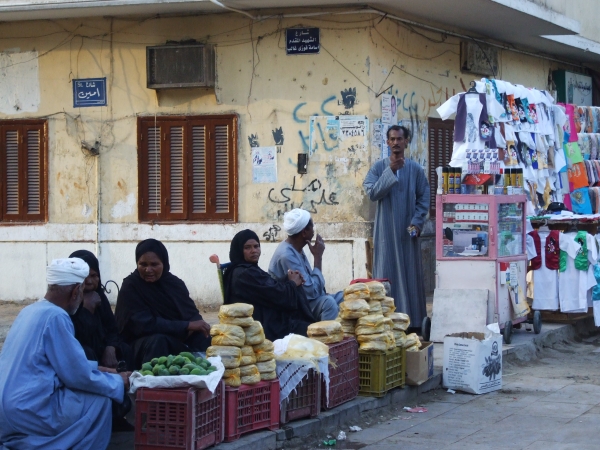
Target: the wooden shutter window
(221, 169)
(34, 173)
(12, 172)
(23, 171)
(198, 169)
(176, 153)
(154, 170)
(441, 138)
(187, 168)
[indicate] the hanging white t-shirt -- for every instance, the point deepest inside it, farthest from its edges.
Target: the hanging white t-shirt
(573, 284)
(545, 281)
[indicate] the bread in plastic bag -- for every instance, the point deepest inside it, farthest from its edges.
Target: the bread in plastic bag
(266, 366)
(376, 290)
(375, 307)
(413, 348)
(248, 370)
(228, 335)
(239, 321)
(324, 328)
(401, 320)
(331, 339)
(388, 323)
(230, 356)
(302, 348)
(264, 356)
(412, 339)
(233, 381)
(387, 305)
(348, 325)
(231, 372)
(353, 309)
(371, 320)
(400, 338)
(251, 379)
(254, 334)
(237, 310)
(268, 376)
(265, 346)
(356, 291)
(382, 341)
(248, 356)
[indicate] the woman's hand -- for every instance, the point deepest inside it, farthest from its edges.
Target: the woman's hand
(296, 277)
(109, 357)
(106, 369)
(199, 326)
(91, 300)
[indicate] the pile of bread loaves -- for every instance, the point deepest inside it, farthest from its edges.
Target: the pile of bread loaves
(240, 342)
(368, 314)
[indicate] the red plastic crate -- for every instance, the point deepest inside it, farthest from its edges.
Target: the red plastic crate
(304, 401)
(343, 378)
(251, 407)
(185, 418)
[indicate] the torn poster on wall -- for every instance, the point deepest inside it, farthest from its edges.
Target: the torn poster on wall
(389, 109)
(347, 133)
(264, 164)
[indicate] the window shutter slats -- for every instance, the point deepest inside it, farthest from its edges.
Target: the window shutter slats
(441, 137)
(198, 169)
(154, 171)
(221, 168)
(187, 168)
(177, 157)
(12, 172)
(34, 155)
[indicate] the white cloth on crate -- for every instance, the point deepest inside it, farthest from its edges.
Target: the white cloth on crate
(573, 284)
(291, 373)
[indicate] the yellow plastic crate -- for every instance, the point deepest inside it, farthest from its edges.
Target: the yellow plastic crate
(380, 371)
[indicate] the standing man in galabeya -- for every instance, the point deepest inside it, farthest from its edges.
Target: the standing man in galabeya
(401, 190)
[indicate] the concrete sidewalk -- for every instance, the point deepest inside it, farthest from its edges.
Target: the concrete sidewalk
(524, 347)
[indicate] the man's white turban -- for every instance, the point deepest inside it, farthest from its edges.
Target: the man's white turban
(67, 271)
(295, 221)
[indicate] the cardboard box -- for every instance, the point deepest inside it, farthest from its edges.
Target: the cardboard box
(473, 362)
(419, 365)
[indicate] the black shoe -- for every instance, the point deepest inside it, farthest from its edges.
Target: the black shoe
(120, 425)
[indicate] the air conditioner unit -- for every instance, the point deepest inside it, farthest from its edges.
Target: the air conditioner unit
(180, 66)
(478, 58)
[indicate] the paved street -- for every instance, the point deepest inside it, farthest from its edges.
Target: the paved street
(552, 403)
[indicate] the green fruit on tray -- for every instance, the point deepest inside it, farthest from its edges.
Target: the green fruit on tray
(164, 372)
(147, 373)
(196, 372)
(174, 369)
(170, 359)
(184, 371)
(183, 364)
(146, 366)
(188, 355)
(154, 361)
(162, 360)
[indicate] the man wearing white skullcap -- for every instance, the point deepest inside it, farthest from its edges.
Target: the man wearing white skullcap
(289, 255)
(51, 395)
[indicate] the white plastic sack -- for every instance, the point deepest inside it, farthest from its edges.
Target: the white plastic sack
(211, 381)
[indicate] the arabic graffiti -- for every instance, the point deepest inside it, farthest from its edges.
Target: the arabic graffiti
(278, 136)
(253, 140)
(349, 97)
(271, 234)
(313, 195)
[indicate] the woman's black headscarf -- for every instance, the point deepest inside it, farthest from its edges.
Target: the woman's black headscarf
(91, 261)
(167, 297)
(236, 256)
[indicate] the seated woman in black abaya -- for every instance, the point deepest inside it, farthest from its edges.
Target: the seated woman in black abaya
(94, 321)
(280, 306)
(154, 312)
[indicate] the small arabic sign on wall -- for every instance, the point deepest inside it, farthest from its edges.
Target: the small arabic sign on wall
(302, 41)
(89, 92)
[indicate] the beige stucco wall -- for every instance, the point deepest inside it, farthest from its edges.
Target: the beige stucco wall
(257, 81)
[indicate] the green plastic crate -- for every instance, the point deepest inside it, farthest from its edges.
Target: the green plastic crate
(380, 371)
